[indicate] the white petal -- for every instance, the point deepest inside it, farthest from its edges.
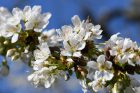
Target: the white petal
(92, 64)
(113, 52)
(66, 53)
(101, 59)
(108, 64)
(130, 62)
(30, 77)
(26, 9)
(122, 60)
(76, 20)
(49, 82)
(46, 17)
(87, 35)
(73, 42)
(49, 33)
(67, 46)
(131, 55)
(84, 86)
(36, 9)
(97, 27)
(98, 37)
(14, 38)
(67, 29)
(69, 60)
(14, 20)
(5, 12)
(114, 37)
(97, 87)
(77, 54)
(107, 75)
(17, 12)
(127, 43)
(99, 32)
(81, 45)
(29, 25)
(98, 75)
(27, 12)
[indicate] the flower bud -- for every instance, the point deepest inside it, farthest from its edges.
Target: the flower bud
(6, 42)
(79, 68)
(10, 52)
(15, 57)
(4, 68)
(83, 73)
(116, 88)
(66, 77)
(26, 50)
(1, 49)
(70, 64)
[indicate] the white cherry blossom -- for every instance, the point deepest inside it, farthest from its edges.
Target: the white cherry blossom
(73, 47)
(8, 28)
(86, 30)
(98, 85)
(41, 56)
(84, 86)
(43, 77)
(123, 49)
(50, 37)
(65, 33)
(95, 31)
(103, 68)
(35, 20)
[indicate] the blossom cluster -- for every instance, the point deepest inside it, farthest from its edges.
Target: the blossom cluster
(59, 53)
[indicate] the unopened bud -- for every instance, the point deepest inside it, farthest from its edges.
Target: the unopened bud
(62, 58)
(83, 73)
(66, 77)
(10, 52)
(19, 48)
(15, 57)
(6, 42)
(70, 64)
(1, 49)
(4, 70)
(79, 68)
(26, 50)
(117, 87)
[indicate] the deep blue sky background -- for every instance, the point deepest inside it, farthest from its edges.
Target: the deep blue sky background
(62, 11)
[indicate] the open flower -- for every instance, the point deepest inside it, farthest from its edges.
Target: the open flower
(35, 20)
(86, 29)
(103, 68)
(41, 56)
(84, 86)
(77, 23)
(73, 47)
(9, 26)
(43, 77)
(123, 49)
(12, 31)
(96, 32)
(46, 76)
(98, 85)
(50, 37)
(65, 33)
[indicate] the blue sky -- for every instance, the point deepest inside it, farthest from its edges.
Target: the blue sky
(62, 11)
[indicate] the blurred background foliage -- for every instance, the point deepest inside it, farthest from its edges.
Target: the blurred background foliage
(113, 15)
